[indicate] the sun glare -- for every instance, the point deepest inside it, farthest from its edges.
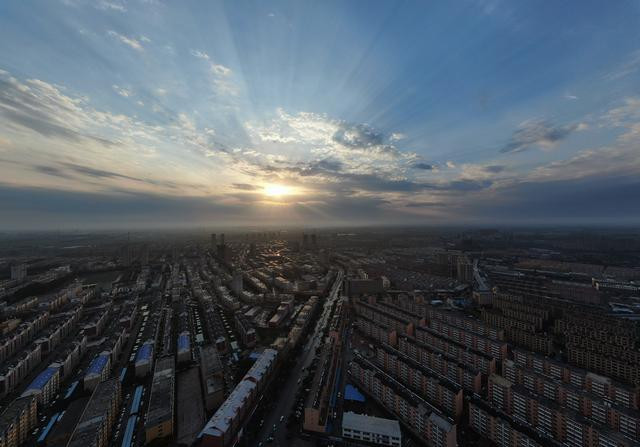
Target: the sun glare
(274, 190)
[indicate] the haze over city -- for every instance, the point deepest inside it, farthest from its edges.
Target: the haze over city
(131, 114)
(335, 223)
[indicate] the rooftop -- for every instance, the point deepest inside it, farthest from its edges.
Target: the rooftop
(97, 364)
(144, 352)
(371, 424)
(183, 342)
(43, 378)
(162, 394)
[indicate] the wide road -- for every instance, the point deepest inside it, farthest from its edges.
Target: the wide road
(286, 399)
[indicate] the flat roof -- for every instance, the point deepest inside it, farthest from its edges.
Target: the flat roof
(144, 352)
(97, 364)
(183, 342)
(371, 424)
(162, 393)
(42, 379)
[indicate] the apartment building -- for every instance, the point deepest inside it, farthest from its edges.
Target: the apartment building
(17, 421)
(454, 318)
(419, 416)
(96, 423)
(159, 420)
(502, 430)
(223, 427)
(461, 373)
(622, 394)
(45, 386)
(481, 361)
(385, 317)
(438, 390)
(593, 406)
(548, 417)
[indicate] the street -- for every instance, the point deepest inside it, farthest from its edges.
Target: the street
(284, 404)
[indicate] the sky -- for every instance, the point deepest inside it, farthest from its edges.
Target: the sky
(158, 113)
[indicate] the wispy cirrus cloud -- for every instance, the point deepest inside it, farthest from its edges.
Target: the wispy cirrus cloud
(131, 42)
(629, 66)
(111, 5)
(221, 76)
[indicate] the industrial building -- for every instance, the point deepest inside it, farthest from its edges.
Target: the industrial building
(371, 429)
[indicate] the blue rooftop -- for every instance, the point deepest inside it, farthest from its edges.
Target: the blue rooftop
(47, 429)
(144, 353)
(71, 389)
(183, 342)
(352, 393)
(42, 379)
(98, 364)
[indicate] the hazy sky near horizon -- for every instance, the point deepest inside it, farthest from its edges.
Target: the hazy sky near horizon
(157, 112)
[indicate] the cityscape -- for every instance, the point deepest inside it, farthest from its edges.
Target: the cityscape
(343, 223)
(349, 337)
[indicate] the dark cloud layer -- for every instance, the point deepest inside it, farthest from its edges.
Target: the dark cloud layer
(363, 137)
(584, 201)
(537, 133)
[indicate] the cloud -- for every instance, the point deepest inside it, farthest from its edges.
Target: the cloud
(200, 54)
(122, 91)
(42, 108)
(244, 187)
(111, 5)
(538, 133)
(423, 166)
(357, 136)
(358, 146)
(494, 169)
(425, 204)
(220, 75)
(51, 170)
(630, 66)
(570, 97)
(625, 114)
(129, 41)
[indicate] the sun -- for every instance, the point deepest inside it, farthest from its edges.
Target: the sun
(275, 190)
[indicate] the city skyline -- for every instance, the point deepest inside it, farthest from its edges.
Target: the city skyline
(158, 114)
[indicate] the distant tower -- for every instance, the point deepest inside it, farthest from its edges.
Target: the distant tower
(18, 272)
(144, 255)
(214, 241)
(224, 253)
(236, 282)
(305, 240)
(314, 241)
